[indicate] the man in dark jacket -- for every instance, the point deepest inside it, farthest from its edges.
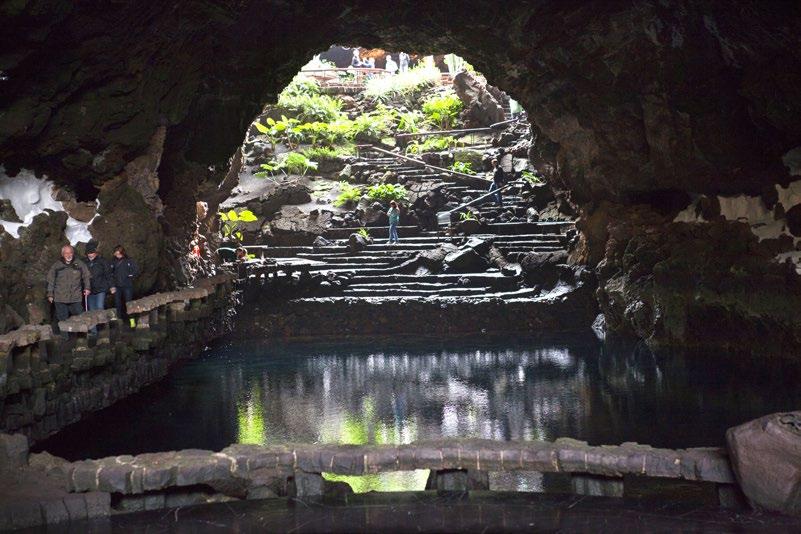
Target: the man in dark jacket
(102, 278)
(125, 271)
(68, 281)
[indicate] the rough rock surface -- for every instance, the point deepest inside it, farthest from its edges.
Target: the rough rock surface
(766, 457)
(480, 106)
(628, 102)
(292, 226)
(125, 218)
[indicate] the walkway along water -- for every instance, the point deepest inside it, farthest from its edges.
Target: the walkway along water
(47, 383)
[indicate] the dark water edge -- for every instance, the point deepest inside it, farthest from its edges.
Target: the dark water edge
(402, 389)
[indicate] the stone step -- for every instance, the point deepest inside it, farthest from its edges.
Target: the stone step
(374, 231)
(441, 292)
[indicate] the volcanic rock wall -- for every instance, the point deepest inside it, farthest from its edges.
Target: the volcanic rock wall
(635, 106)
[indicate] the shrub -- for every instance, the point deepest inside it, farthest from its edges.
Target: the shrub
(364, 233)
(300, 85)
(325, 153)
(231, 221)
(275, 131)
(443, 110)
(349, 194)
(387, 192)
(405, 85)
(412, 122)
(531, 177)
(288, 163)
(467, 216)
(431, 144)
(310, 107)
(464, 167)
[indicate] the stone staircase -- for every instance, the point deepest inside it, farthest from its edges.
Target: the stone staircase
(382, 270)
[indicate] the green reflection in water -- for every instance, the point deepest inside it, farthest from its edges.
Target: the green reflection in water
(394, 481)
(250, 418)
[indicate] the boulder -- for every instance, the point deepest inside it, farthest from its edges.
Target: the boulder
(480, 107)
(543, 268)
(357, 242)
(292, 226)
(432, 259)
(320, 241)
(374, 215)
(468, 226)
(766, 457)
(266, 197)
(465, 260)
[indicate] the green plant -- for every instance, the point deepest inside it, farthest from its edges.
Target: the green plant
(288, 163)
(431, 144)
(467, 216)
(443, 110)
(310, 107)
(300, 85)
(232, 220)
(275, 131)
(349, 194)
(531, 178)
(405, 85)
(326, 153)
(364, 233)
(412, 122)
(464, 167)
(387, 192)
(373, 126)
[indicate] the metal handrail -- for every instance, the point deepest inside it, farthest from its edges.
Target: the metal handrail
(472, 177)
(441, 214)
(489, 128)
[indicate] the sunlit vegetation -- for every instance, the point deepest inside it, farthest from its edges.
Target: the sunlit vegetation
(464, 167)
(288, 163)
(431, 144)
(387, 192)
(404, 86)
(443, 110)
(232, 223)
(349, 195)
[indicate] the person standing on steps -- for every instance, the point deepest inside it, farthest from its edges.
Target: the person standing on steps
(101, 278)
(125, 271)
(394, 219)
(68, 282)
(498, 179)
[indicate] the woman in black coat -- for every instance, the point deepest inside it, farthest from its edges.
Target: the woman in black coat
(125, 271)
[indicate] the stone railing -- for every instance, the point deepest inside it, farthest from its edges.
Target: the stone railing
(48, 382)
(171, 479)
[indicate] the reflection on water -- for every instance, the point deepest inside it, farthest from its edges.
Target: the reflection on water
(398, 392)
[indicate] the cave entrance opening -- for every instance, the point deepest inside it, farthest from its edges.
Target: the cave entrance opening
(357, 129)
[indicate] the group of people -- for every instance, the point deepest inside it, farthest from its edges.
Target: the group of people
(74, 286)
(391, 66)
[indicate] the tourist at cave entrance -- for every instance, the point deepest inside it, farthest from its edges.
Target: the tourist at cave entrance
(498, 179)
(101, 279)
(68, 282)
(403, 62)
(125, 271)
(391, 66)
(394, 219)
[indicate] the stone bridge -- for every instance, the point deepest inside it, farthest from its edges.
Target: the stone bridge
(47, 382)
(177, 478)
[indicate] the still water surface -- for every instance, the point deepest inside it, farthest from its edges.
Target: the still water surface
(398, 391)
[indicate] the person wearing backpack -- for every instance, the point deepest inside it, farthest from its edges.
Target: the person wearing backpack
(125, 272)
(68, 282)
(102, 279)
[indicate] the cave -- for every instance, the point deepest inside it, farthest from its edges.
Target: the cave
(670, 130)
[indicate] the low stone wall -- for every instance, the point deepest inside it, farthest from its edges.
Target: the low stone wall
(47, 382)
(178, 478)
(338, 316)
